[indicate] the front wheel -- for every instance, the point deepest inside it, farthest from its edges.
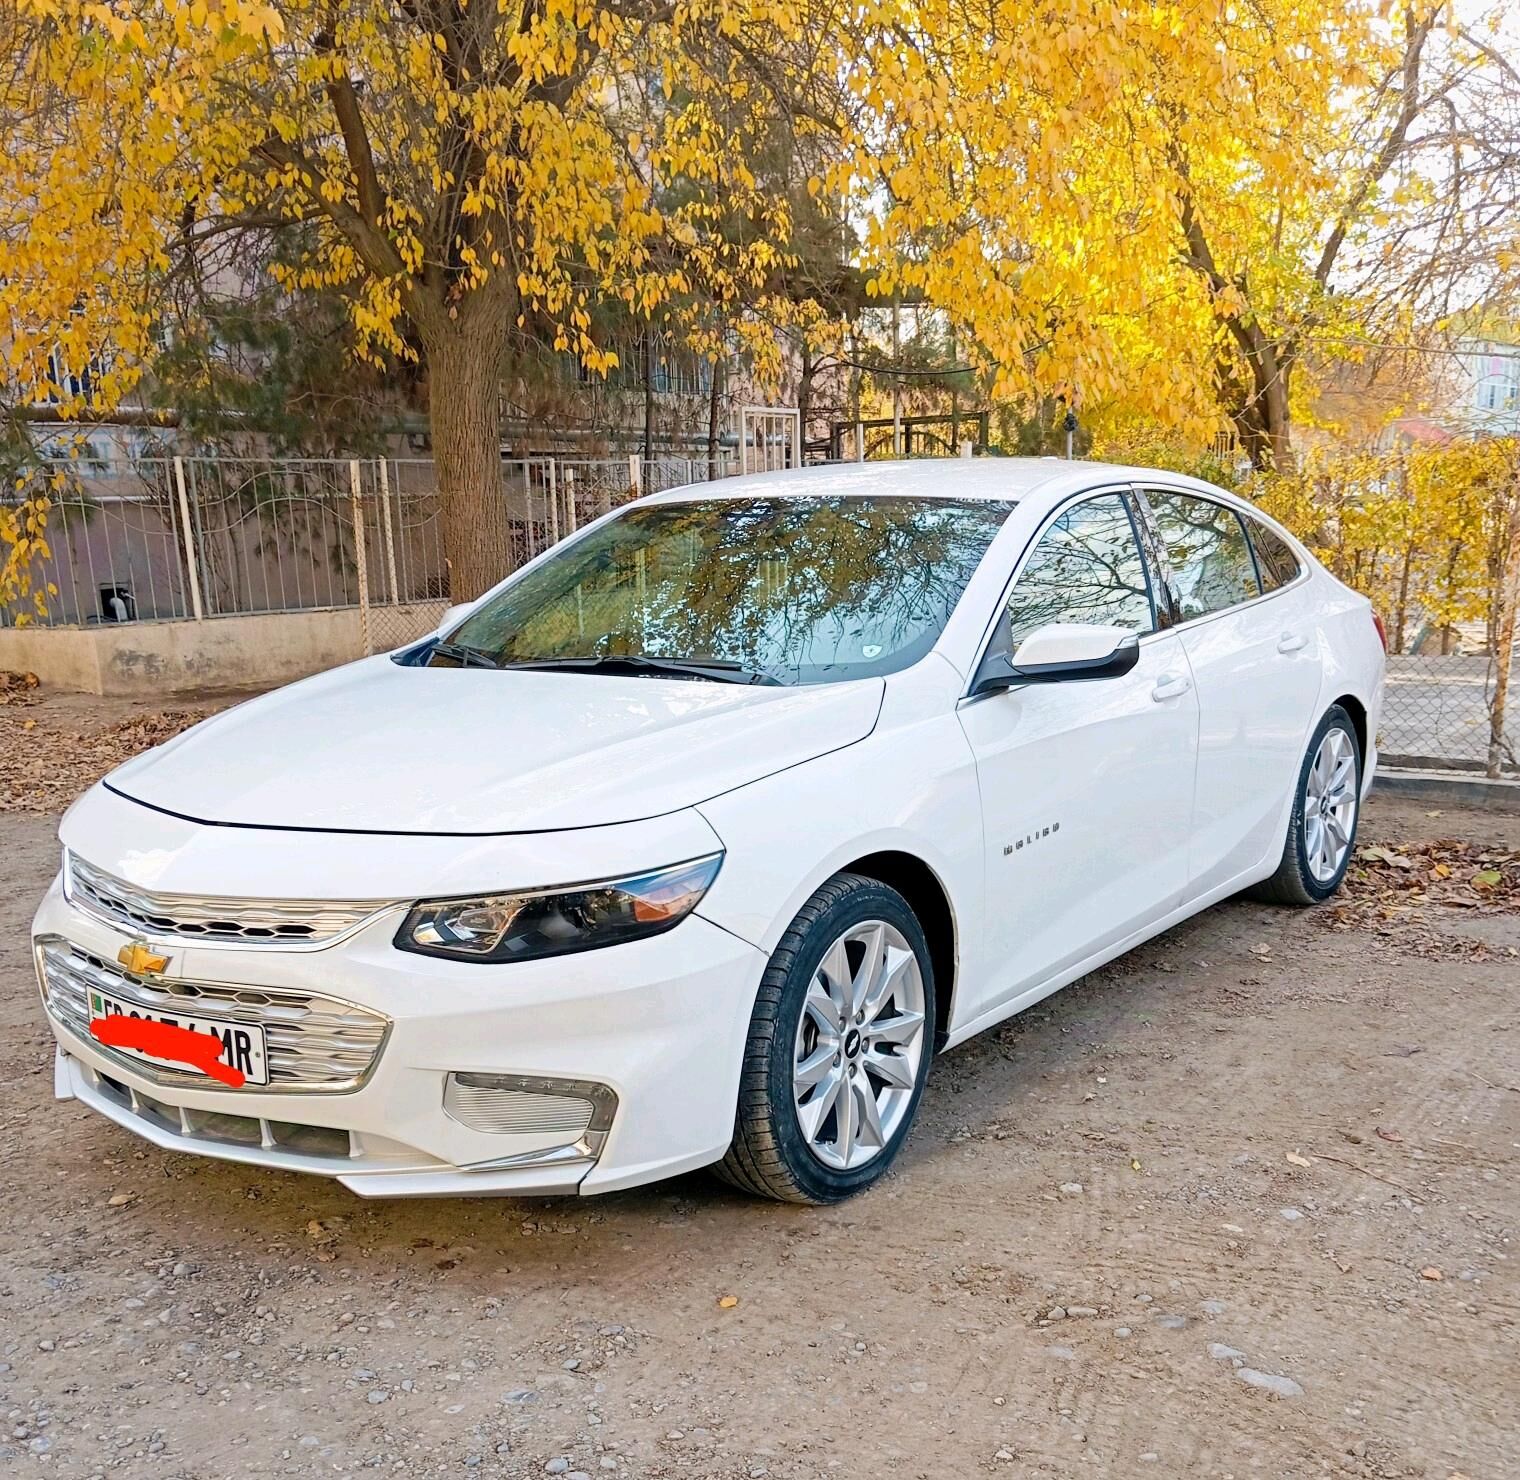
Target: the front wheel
(1326, 809)
(838, 1049)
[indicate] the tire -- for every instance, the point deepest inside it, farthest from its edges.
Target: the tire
(1305, 874)
(797, 1028)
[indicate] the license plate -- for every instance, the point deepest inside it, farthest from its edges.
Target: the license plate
(242, 1043)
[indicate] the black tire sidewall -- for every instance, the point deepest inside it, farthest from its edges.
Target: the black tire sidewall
(1318, 890)
(866, 900)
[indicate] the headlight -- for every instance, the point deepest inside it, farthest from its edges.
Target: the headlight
(554, 922)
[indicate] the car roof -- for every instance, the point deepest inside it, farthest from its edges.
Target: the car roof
(1045, 480)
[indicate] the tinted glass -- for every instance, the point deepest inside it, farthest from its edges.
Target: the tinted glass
(1086, 568)
(1207, 551)
(802, 590)
(1275, 560)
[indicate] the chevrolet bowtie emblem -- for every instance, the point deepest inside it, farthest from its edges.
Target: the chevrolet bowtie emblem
(137, 958)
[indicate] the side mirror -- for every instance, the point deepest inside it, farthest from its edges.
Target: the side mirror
(1058, 653)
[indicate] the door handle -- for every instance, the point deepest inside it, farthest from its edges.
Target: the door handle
(1291, 642)
(1170, 686)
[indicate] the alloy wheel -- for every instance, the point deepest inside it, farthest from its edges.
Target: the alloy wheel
(859, 1045)
(1330, 804)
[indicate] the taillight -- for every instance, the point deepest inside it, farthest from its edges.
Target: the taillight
(1382, 631)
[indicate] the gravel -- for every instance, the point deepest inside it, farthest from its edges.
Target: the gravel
(970, 1243)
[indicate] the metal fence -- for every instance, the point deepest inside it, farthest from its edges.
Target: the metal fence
(1440, 711)
(202, 538)
(197, 538)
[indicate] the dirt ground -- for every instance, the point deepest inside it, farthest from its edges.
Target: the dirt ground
(1242, 1204)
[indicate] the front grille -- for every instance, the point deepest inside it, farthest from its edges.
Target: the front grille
(201, 918)
(313, 1042)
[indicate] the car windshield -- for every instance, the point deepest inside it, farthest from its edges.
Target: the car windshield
(766, 590)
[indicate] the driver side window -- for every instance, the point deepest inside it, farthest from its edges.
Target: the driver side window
(1087, 567)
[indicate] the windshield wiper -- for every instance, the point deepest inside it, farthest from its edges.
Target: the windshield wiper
(715, 670)
(466, 657)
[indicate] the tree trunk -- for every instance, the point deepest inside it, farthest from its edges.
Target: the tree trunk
(1450, 587)
(1278, 417)
(714, 404)
(1401, 617)
(1504, 646)
(1262, 415)
(648, 371)
(463, 367)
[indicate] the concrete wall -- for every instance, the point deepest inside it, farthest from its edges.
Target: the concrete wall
(139, 659)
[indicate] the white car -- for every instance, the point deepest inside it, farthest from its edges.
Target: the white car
(696, 839)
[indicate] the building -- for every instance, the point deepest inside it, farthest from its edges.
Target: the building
(1486, 392)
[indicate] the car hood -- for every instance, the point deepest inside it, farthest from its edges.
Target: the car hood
(378, 747)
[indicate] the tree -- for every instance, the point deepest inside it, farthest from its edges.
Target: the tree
(1162, 212)
(461, 172)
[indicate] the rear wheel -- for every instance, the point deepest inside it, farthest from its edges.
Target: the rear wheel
(838, 1049)
(1326, 809)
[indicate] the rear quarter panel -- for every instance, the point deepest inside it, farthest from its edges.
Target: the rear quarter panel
(1352, 657)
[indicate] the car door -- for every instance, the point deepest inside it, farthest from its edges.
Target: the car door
(1086, 786)
(1254, 657)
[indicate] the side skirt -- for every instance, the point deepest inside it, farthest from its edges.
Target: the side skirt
(1028, 998)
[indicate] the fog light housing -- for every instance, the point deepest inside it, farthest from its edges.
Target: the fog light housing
(576, 1113)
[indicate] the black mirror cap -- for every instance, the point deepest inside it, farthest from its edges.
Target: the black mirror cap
(1000, 672)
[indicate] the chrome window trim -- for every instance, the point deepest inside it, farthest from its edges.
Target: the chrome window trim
(1228, 611)
(1136, 491)
(1250, 517)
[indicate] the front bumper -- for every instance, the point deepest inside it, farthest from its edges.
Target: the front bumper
(660, 1023)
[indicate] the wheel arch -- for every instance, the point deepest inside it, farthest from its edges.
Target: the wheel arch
(929, 900)
(1358, 712)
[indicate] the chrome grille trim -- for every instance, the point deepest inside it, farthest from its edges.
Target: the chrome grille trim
(315, 1044)
(208, 920)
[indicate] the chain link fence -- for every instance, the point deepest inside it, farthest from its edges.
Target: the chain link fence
(1446, 710)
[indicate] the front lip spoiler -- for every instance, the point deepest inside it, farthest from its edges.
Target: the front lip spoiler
(554, 1174)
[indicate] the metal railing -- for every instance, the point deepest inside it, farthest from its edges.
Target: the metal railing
(198, 538)
(203, 538)
(1441, 709)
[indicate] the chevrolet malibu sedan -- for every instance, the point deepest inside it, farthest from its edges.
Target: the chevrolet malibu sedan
(695, 841)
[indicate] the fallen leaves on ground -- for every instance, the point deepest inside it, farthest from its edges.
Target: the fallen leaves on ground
(44, 767)
(1398, 889)
(19, 688)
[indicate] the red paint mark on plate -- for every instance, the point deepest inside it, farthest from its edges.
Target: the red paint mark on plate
(201, 1051)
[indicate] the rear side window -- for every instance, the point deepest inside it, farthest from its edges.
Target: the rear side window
(1275, 559)
(1207, 551)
